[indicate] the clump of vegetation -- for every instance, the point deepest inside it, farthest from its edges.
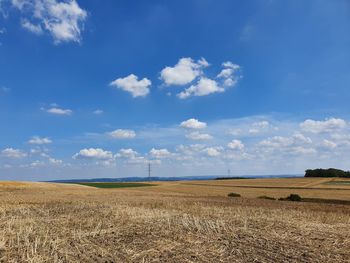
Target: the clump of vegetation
(292, 197)
(266, 197)
(231, 178)
(234, 195)
(331, 172)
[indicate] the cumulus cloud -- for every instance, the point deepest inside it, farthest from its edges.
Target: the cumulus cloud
(235, 145)
(127, 153)
(229, 74)
(131, 84)
(63, 20)
(193, 124)
(198, 136)
(203, 87)
(13, 153)
(184, 72)
(327, 125)
(130, 156)
(40, 140)
(212, 151)
(93, 153)
(159, 153)
(122, 134)
(59, 111)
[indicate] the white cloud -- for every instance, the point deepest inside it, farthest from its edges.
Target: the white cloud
(235, 132)
(98, 112)
(63, 20)
(130, 156)
(127, 153)
(137, 88)
(327, 125)
(261, 124)
(36, 163)
(253, 131)
(190, 149)
(193, 124)
(341, 139)
(55, 161)
(159, 153)
(301, 138)
(39, 140)
(19, 3)
(122, 134)
(93, 153)
(280, 141)
(235, 145)
(184, 72)
(212, 151)
(203, 87)
(36, 29)
(229, 74)
(13, 153)
(187, 71)
(302, 150)
(295, 144)
(329, 144)
(198, 136)
(59, 111)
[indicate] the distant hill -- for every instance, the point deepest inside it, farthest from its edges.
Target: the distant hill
(174, 178)
(136, 179)
(331, 172)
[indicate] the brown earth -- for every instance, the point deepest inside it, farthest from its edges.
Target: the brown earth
(174, 222)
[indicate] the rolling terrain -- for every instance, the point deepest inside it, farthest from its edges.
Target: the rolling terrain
(188, 221)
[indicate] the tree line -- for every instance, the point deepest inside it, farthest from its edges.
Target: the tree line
(331, 172)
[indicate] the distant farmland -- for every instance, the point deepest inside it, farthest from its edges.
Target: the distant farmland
(115, 185)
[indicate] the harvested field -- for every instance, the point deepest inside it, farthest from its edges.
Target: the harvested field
(172, 222)
(116, 185)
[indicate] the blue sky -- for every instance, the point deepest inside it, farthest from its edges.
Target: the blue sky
(196, 87)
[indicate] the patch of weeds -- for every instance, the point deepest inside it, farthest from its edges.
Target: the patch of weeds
(234, 195)
(292, 197)
(266, 197)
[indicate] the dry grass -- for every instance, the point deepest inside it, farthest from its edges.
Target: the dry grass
(172, 222)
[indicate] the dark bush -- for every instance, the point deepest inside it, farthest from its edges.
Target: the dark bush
(266, 197)
(292, 197)
(234, 195)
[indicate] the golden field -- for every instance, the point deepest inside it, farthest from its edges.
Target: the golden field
(188, 221)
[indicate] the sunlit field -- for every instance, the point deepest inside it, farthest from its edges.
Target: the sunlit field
(174, 222)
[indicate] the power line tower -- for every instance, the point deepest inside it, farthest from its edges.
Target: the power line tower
(149, 170)
(228, 172)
